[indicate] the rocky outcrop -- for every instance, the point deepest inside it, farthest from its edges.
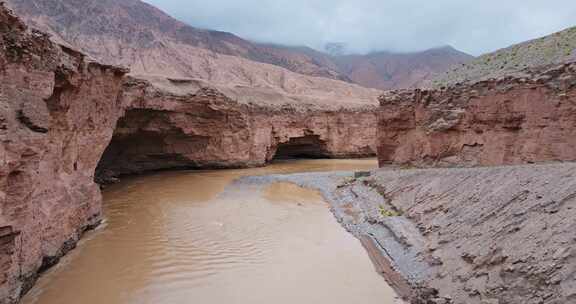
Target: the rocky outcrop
(187, 123)
(505, 121)
(57, 113)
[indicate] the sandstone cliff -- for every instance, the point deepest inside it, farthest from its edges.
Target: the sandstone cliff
(512, 120)
(188, 123)
(57, 110)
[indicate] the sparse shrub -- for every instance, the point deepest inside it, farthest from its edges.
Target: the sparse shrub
(388, 213)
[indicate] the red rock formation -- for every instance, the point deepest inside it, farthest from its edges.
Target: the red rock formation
(57, 113)
(494, 122)
(187, 123)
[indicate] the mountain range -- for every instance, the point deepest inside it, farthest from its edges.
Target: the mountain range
(140, 36)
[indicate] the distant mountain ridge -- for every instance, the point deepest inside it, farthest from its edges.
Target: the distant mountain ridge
(553, 49)
(140, 36)
(387, 70)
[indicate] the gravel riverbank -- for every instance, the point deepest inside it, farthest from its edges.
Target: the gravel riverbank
(479, 235)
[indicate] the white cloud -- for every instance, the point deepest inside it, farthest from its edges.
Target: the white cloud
(365, 25)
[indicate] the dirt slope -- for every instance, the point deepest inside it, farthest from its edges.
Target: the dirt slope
(137, 35)
(549, 50)
(489, 235)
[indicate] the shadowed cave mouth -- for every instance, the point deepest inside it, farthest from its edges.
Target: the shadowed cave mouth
(308, 146)
(145, 140)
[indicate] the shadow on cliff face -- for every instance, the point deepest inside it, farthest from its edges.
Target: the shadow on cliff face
(144, 140)
(150, 140)
(308, 146)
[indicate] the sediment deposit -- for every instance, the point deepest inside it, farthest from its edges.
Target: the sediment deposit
(461, 235)
(513, 120)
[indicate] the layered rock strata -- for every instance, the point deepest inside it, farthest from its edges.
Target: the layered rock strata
(186, 123)
(57, 111)
(470, 236)
(499, 121)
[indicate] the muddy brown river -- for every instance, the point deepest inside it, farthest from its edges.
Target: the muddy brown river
(185, 237)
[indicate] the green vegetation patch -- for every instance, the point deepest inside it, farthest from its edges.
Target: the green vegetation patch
(388, 213)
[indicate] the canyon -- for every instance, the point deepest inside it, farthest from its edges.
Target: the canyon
(65, 116)
(72, 123)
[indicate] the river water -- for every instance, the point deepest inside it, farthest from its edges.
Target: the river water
(184, 237)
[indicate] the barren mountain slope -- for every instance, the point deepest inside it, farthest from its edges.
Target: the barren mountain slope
(106, 35)
(140, 36)
(552, 49)
(385, 70)
(133, 33)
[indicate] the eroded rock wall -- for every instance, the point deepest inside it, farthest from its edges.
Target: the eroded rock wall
(506, 121)
(201, 127)
(57, 113)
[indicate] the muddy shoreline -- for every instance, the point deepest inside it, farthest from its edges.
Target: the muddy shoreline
(188, 234)
(471, 235)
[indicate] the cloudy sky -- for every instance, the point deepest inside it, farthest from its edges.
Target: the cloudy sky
(475, 27)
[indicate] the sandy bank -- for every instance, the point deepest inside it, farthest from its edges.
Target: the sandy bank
(481, 235)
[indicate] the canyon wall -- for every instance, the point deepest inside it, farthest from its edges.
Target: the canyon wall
(66, 121)
(512, 120)
(57, 110)
(186, 123)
